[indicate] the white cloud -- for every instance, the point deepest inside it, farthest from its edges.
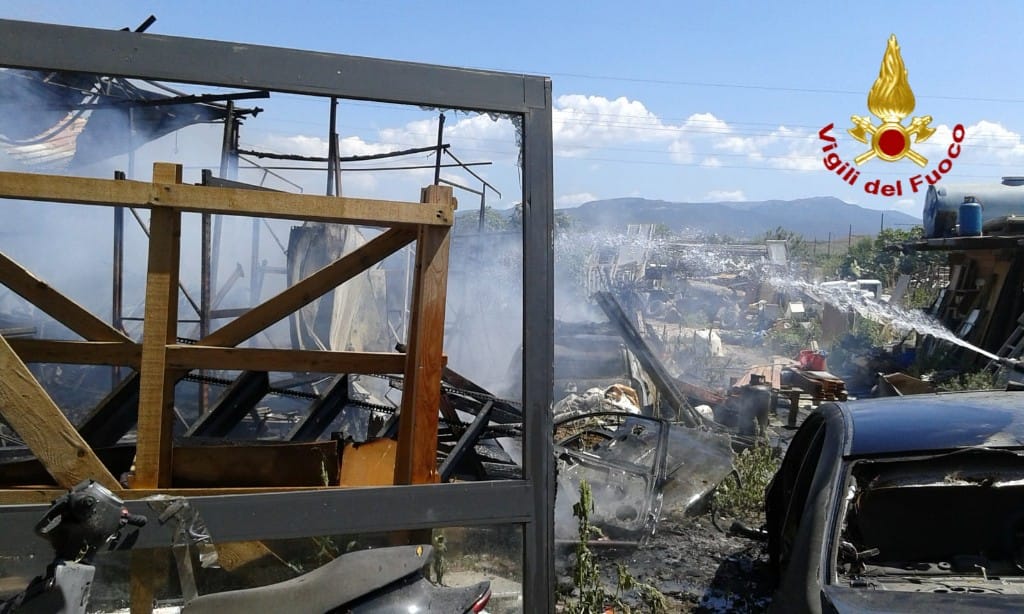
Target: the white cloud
(580, 123)
(358, 183)
(571, 200)
(985, 141)
(497, 133)
(706, 122)
(725, 196)
(680, 152)
(782, 148)
(585, 123)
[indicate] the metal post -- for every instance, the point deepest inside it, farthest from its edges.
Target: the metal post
(131, 142)
(440, 141)
(538, 356)
(483, 205)
(255, 274)
(117, 286)
(228, 170)
(332, 149)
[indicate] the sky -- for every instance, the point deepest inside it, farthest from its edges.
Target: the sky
(680, 101)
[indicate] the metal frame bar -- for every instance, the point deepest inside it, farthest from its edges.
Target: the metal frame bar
(258, 67)
(314, 513)
(39, 46)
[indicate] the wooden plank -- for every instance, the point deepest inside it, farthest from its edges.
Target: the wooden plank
(156, 385)
(310, 288)
(61, 308)
(234, 555)
(166, 172)
(227, 201)
(416, 457)
(149, 569)
(368, 464)
(40, 424)
(77, 352)
(262, 359)
(256, 464)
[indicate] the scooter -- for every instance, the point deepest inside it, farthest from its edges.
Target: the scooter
(90, 517)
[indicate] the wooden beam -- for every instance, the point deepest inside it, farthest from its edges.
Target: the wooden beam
(156, 385)
(77, 352)
(261, 359)
(61, 308)
(310, 288)
(40, 424)
(227, 201)
(150, 568)
(416, 457)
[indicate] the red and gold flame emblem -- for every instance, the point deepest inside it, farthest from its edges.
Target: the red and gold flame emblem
(891, 100)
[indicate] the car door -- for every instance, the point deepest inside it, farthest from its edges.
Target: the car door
(786, 498)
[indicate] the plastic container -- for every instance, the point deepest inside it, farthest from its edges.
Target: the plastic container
(811, 360)
(942, 203)
(969, 217)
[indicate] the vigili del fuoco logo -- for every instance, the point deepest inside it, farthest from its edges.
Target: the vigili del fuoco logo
(890, 100)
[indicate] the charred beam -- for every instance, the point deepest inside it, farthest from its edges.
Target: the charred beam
(651, 364)
(114, 416)
(237, 401)
(465, 444)
(322, 412)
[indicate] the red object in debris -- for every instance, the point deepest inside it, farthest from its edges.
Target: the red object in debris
(811, 360)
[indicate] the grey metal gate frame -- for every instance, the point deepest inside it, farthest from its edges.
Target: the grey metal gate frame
(529, 502)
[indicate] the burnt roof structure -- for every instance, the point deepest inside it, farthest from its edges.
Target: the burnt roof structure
(527, 502)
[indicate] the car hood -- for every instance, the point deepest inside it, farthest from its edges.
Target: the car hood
(850, 600)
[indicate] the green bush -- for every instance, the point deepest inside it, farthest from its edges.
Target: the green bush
(743, 498)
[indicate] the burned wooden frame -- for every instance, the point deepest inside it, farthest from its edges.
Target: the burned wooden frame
(528, 502)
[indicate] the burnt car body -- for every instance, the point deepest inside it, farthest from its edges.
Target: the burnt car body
(634, 465)
(902, 504)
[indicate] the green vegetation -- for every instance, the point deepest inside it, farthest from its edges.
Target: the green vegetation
(880, 258)
(978, 380)
(789, 341)
(743, 498)
(593, 598)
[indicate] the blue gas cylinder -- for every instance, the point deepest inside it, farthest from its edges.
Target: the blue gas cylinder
(970, 217)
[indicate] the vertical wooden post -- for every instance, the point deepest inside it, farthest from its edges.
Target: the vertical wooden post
(149, 570)
(416, 457)
(156, 388)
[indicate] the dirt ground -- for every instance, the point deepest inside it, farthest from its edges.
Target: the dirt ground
(701, 568)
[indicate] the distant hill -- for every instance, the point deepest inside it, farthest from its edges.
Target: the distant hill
(810, 217)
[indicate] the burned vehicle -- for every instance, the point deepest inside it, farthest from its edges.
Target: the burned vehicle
(636, 466)
(906, 504)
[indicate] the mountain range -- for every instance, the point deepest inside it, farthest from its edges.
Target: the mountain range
(814, 218)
